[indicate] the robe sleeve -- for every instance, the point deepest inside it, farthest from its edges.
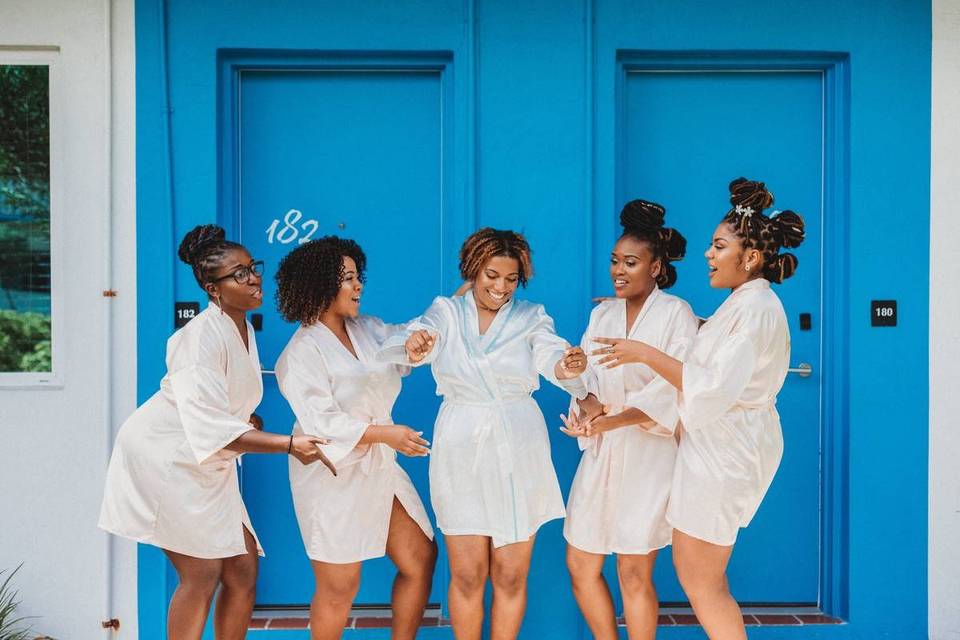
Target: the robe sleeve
(382, 331)
(202, 396)
(304, 381)
(591, 382)
(437, 319)
(548, 348)
(658, 399)
(713, 388)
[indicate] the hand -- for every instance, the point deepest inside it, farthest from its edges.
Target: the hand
(419, 345)
(574, 426)
(572, 364)
(600, 425)
(256, 422)
(620, 351)
(590, 407)
(306, 449)
(462, 289)
(405, 440)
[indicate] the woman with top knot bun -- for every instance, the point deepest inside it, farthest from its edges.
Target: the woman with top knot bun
(625, 427)
(728, 380)
(172, 479)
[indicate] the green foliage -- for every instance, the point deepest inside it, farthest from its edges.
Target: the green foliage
(11, 626)
(25, 139)
(24, 343)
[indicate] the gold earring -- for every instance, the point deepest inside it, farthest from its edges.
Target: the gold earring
(747, 267)
(216, 301)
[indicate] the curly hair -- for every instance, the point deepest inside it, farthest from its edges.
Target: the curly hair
(487, 243)
(204, 248)
(309, 277)
(643, 221)
(768, 235)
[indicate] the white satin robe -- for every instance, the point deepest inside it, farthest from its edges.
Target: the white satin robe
(345, 518)
(170, 482)
(618, 499)
(490, 468)
(732, 442)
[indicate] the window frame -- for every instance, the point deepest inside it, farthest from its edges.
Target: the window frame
(50, 58)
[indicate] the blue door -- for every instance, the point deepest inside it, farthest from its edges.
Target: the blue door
(683, 135)
(356, 152)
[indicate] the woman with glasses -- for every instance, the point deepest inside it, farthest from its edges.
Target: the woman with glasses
(172, 479)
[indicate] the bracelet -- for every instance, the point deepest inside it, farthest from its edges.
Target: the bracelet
(290, 444)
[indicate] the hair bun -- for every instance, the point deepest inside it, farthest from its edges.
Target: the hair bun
(201, 236)
(642, 215)
(790, 227)
(673, 243)
(750, 193)
(780, 268)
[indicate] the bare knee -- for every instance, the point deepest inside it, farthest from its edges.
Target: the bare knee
(418, 563)
(338, 593)
(696, 582)
(469, 580)
(241, 575)
(635, 580)
(202, 580)
(509, 581)
(582, 567)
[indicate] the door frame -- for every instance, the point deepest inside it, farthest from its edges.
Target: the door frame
(608, 98)
(458, 210)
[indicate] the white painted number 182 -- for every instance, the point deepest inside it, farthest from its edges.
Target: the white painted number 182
(290, 230)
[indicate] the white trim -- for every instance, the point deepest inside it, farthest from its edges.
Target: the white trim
(49, 57)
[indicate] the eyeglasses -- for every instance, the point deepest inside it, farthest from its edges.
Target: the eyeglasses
(242, 275)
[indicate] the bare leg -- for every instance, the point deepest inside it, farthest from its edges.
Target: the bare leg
(469, 567)
(190, 603)
(592, 592)
(701, 567)
(640, 605)
(238, 590)
(509, 566)
(336, 587)
(414, 555)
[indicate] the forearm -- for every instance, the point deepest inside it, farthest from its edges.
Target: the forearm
(669, 368)
(374, 434)
(628, 417)
(254, 441)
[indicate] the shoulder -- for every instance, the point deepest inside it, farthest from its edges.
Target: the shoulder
(200, 339)
(677, 306)
(603, 309)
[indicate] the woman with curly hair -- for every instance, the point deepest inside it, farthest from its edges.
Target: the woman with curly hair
(625, 426)
(328, 374)
(492, 481)
(172, 479)
(728, 383)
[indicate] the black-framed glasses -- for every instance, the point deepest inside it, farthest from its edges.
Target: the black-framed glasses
(242, 275)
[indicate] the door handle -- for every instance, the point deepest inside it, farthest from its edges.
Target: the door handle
(803, 370)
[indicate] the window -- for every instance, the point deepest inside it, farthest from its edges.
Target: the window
(25, 266)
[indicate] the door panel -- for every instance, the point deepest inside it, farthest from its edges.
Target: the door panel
(357, 153)
(683, 136)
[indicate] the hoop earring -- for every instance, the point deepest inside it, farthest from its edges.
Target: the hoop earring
(216, 301)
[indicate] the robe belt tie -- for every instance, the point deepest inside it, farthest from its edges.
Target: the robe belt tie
(379, 454)
(496, 429)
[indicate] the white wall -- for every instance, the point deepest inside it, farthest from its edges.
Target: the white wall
(944, 519)
(54, 443)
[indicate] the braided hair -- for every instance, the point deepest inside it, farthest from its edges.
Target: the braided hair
(487, 243)
(643, 221)
(204, 248)
(310, 276)
(768, 235)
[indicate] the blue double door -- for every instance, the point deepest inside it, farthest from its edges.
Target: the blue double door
(407, 152)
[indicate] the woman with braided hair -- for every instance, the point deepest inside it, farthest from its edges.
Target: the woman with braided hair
(492, 481)
(625, 427)
(728, 382)
(329, 375)
(172, 479)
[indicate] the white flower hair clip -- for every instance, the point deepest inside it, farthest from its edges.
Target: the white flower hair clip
(744, 211)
